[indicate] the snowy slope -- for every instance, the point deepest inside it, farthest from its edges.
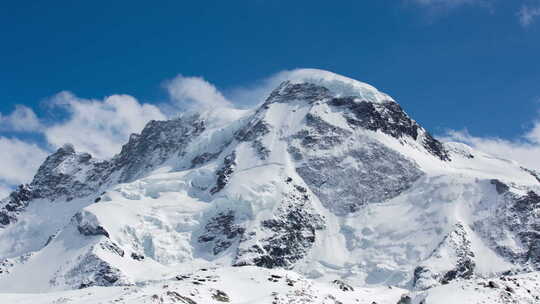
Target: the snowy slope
(328, 178)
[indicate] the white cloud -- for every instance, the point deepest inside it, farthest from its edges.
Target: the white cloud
(257, 92)
(525, 150)
(195, 92)
(528, 14)
(22, 119)
(19, 161)
(99, 127)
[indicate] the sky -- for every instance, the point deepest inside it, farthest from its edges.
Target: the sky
(92, 72)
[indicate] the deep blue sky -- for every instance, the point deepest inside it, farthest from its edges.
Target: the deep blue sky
(466, 67)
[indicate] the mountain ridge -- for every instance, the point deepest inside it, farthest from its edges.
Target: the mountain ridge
(327, 177)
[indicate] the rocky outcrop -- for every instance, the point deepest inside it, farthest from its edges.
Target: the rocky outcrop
(379, 174)
(88, 225)
(452, 259)
(158, 141)
(387, 117)
(287, 237)
(224, 173)
(221, 231)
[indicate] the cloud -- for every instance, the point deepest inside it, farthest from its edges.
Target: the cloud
(195, 92)
(525, 149)
(257, 92)
(22, 119)
(528, 14)
(19, 161)
(99, 127)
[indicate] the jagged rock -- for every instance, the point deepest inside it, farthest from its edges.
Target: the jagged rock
(405, 299)
(342, 285)
(221, 231)
(87, 225)
(253, 133)
(157, 142)
(292, 233)
(93, 271)
(454, 248)
(220, 296)
(224, 174)
(389, 118)
(499, 186)
(381, 174)
(137, 256)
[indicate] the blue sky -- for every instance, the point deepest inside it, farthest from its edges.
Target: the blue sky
(454, 65)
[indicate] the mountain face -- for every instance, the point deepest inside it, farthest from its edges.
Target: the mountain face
(328, 179)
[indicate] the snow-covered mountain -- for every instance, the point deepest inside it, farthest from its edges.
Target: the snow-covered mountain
(328, 192)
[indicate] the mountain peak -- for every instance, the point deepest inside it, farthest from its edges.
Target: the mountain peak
(337, 85)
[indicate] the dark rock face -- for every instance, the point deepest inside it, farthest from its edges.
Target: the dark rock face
(56, 176)
(110, 246)
(224, 174)
(287, 92)
(93, 271)
(515, 217)
(88, 228)
(380, 174)
(253, 133)
(221, 231)
(500, 186)
(342, 285)
(405, 299)
(527, 225)
(203, 158)
(17, 201)
(389, 118)
(292, 233)
(320, 135)
(459, 244)
(158, 141)
(137, 256)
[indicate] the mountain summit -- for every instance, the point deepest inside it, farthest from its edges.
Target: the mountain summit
(327, 181)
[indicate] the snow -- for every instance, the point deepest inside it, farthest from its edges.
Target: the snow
(161, 215)
(339, 85)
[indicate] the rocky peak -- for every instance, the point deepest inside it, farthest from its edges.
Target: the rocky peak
(158, 141)
(362, 107)
(288, 91)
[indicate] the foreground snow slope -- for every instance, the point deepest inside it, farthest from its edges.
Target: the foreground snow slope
(329, 178)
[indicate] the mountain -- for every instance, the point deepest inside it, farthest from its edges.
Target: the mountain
(328, 192)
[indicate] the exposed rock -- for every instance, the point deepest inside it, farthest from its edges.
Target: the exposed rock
(499, 186)
(342, 285)
(379, 174)
(93, 271)
(455, 247)
(158, 141)
(137, 256)
(389, 118)
(220, 296)
(221, 231)
(405, 299)
(224, 174)
(87, 225)
(292, 232)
